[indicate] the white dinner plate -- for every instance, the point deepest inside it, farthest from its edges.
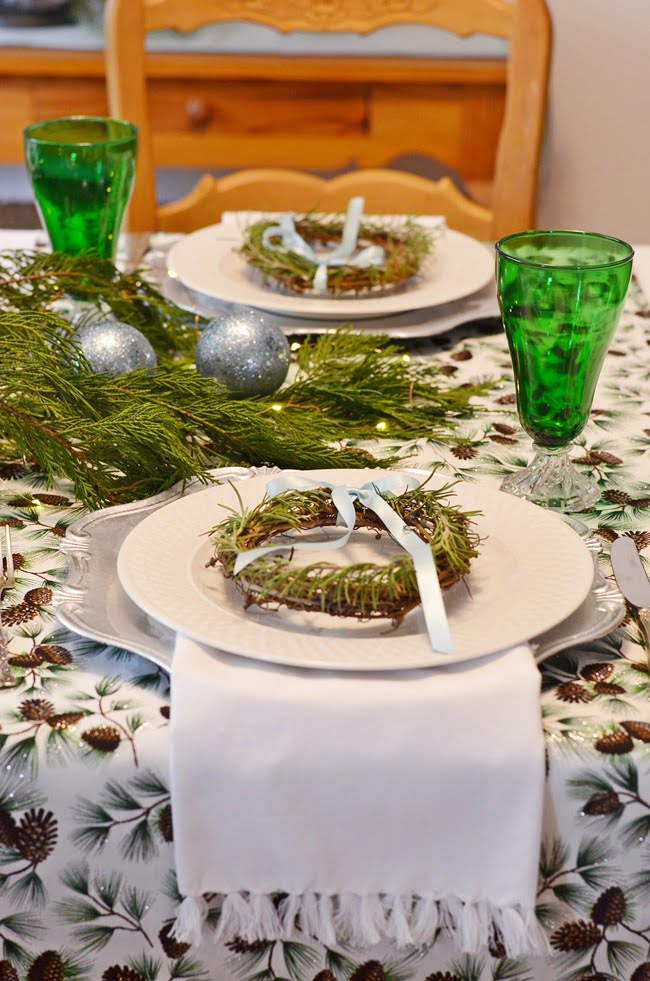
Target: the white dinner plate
(532, 572)
(209, 263)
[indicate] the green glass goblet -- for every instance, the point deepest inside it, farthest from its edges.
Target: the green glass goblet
(561, 295)
(82, 171)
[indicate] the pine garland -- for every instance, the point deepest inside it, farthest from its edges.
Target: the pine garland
(122, 439)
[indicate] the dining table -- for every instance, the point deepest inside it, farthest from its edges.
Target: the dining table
(88, 888)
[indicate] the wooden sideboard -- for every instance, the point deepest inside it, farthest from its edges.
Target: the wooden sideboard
(318, 113)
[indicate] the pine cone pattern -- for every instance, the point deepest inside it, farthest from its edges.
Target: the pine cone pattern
(54, 653)
(12, 471)
(240, 946)
(638, 730)
(30, 659)
(48, 966)
(608, 688)
(36, 835)
(13, 616)
(164, 711)
(36, 710)
(53, 500)
(640, 538)
(463, 355)
(172, 947)
(8, 972)
(370, 971)
(65, 720)
(12, 523)
(601, 804)
(165, 825)
(504, 429)
(7, 829)
(609, 909)
(325, 975)
(617, 497)
(575, 936)
(104, 738)
(441, 976)
(503, 440)
(119, 972)
(571, 691)
(598, 671)
(615, 743)
(41, 596)
(464, 452)
(642, 972)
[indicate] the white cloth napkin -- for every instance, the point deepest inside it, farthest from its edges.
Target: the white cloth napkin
(385, 806)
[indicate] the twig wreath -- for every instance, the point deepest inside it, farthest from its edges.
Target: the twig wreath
(363, 590)
(404, 248)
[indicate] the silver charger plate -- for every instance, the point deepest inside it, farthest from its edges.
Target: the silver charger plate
(93, 603)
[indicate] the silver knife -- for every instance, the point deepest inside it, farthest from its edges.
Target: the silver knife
(633, 582)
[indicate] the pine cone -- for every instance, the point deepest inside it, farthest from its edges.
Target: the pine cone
(12, 471)
(464, 452)
(12, 523)
(496, 948)
(7, 830)
(441, 976)
(325, 975)
(58, 530)
(609, 908)
(172, 947)
(20, 501)
(54, 500)
(36, 835)
(615, 743)
(239, 946)
(617, 497)
(104, 738)
(48, 966)
(575, 936)
(609, 534)
(165, 825)
(164, 711)
(19, 560)
(504, 440)
(448, 369)
(571, 691)
(638, 730)
(506, 400)
(119, 972)
(8, 972)
(600, 804)
(370, 971)
(463, 355)
(597, 672)
(54, 653)
(608, 688)
(602, 456)
(30, 659)
(20, 613)
(640, 502)
(36, 710)
(505, 430)
(640, 538)
(65, 720)
(41, 596)
(642, 972)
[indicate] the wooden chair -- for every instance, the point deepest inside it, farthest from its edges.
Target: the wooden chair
(525, 23)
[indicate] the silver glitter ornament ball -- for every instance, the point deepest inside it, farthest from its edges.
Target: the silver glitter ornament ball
(113, 347)
(244, 352)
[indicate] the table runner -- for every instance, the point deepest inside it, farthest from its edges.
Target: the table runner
(104, 778)
(346, 793)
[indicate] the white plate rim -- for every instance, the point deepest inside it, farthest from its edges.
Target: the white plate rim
(209, 621)
(184, 264)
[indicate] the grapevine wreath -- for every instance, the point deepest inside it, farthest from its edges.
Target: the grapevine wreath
(405, 246)
(363, 590)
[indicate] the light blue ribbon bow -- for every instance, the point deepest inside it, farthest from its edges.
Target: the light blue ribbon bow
(370, 494)
(342, 255)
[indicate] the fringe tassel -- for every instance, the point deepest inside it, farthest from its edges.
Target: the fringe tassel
(188, 926)
(365, 921)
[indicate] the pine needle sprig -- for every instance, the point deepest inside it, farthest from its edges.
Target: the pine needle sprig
(363, 590)
(32, 281)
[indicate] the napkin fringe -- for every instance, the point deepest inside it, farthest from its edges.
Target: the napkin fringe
(365, 921)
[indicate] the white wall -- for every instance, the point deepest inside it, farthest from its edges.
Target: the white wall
(597, 169)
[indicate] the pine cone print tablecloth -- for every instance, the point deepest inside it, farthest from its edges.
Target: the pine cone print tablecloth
(87, 884)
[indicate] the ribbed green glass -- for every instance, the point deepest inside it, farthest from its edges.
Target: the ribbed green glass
(561, 295)
(82, 172)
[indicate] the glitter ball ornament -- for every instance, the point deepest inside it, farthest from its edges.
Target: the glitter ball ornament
(244, 352)
(115, 348)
